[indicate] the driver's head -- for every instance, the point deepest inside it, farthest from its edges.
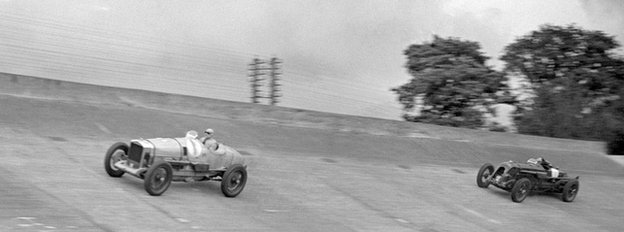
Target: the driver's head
(209, 132)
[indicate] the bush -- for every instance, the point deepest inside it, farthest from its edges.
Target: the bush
(615, 144)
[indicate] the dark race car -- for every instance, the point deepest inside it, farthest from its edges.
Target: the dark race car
(159, 161)
(537, 175)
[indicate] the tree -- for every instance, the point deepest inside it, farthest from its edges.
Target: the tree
(452, 81)
(576, 78)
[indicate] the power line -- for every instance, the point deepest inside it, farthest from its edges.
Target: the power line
(274, 73)
(230, 53)
(73, 27)
(63, 42)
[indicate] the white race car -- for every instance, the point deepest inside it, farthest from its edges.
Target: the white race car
(159, 161)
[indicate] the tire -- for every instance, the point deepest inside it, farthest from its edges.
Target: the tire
(570, 190)
(484, 174)
(117, 152)
(158, 178)
(234, 180)
(520, 190)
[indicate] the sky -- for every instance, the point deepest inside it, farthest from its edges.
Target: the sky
(340, 56)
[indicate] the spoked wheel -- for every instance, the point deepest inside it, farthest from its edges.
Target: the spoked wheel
(570, 190)
(483, 177)
(520, 190)
(234, 180)
(116, 153)
(158, 178)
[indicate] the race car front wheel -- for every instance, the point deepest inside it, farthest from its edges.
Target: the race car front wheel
(483, 177)
(116, 153)
(158, 178)
(570, 190)
(234, 180)
(520, 190)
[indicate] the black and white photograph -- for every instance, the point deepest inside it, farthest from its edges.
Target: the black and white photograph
(311, 115)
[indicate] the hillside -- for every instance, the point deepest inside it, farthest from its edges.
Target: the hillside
(33, 87)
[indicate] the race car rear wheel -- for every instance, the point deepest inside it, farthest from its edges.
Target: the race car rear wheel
(158, 178)
(483, 177)
(520, 190)
(116, 153)
(570, 190)
(234, 180)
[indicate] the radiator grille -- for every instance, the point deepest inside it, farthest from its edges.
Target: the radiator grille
(135, 153)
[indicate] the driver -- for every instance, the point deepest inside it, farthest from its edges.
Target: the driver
(208, 141)
(547, 165)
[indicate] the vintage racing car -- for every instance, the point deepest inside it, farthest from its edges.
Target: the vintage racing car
(159, 161)
(537, 175)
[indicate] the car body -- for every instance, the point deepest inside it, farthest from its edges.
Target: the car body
(522, 178)
(159, 161)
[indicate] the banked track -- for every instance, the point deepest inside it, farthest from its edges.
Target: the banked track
(303, 176)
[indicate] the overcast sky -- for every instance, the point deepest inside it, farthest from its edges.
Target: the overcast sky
(339, 56)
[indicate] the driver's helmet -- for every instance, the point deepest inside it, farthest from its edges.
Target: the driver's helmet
(209, 132)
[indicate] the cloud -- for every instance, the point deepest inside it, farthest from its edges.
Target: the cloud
(606, 15)
(346, 48)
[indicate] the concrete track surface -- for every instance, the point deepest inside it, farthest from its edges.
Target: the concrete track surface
(300, 179)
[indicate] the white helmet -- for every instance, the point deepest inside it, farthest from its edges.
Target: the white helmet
(209, 131)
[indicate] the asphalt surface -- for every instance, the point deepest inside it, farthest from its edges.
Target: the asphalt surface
(300, 179)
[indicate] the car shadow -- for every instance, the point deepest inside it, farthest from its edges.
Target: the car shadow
(204, 187)
(498, 192)
(135, 184)
(535, 195)
(547, 195)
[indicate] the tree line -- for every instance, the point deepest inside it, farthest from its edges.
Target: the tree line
(574, 85)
